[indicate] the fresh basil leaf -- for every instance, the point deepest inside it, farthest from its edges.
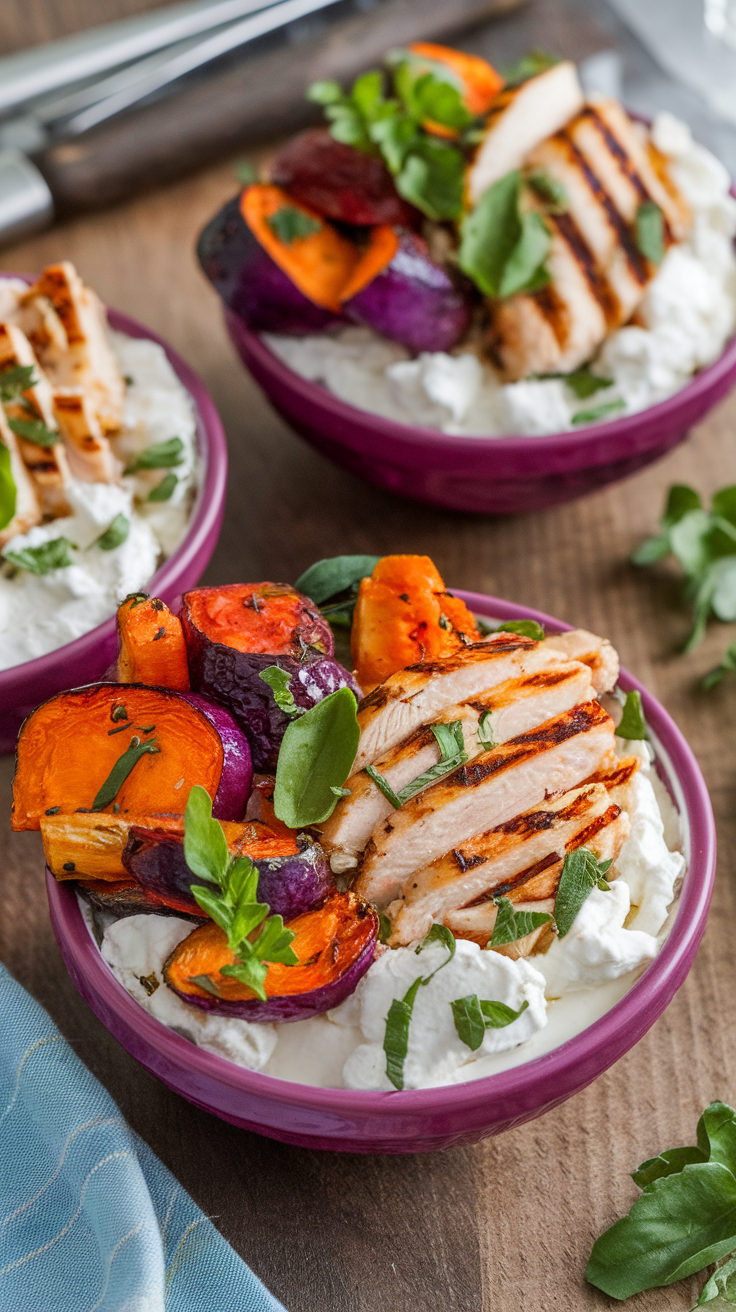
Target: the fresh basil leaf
(632, 724)
(583, 383)
(15, 380)
(527, 257)
(512, 925)
(450, 738)
(722, 1284)
(115, 535)
(716, 1134)
(669, 1162)
(164, 490)
(325, 93)
(161, 455)
(396, 1036)
(473, 1017)
(245, 171)
(679, 1225)
(134, 753)
(525, 629)
(484, 732)
(649, 231)
(205, 846)
(723, 503)
(680, 500)
(56, 554)
(548, 189)
(34, 430)
(531, 65)
(328, 578)
(8, 491)
(432, 177)
(317, 752)
(727, 665)
(279, 681)
(689, 541)
(384, 787)
(291, 224)
(490, 232)
(581, 872)
(438, 934)
(384, 927)
(598, 412)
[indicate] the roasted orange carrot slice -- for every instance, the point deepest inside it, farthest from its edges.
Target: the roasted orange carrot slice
(480, 80)
(152, 647)
(383, 244)
(306, 246)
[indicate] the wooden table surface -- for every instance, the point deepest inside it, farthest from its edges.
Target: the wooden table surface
(510, 1222)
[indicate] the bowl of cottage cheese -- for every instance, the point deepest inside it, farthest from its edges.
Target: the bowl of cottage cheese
(570, 1010)
(119, 466)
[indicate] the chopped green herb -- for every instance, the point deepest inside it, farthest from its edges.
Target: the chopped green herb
(159, 633)
(118, 713)
(165, 489)
(398, 1020)
(512, 925)
(484, 732)
(317, 753)
(649, 229)
(56, 554)
(582, 382)
(34, 430)
(135, 752)
(384, 927)
(161, 455)
(279, 681)
(473, 1017)
(632, 724)
(8, 490)
(452, 754)
(727, 665)
(114, 535)
(290, 224)
(502, 250)
(598, 412)
(581, 873)
(335, 581)
(128, 379)
(16, 380)
(245, 171)
(52, 810)
(136, 599)
(525, 629)
(549, 190)
(340, 792)
(537, 61)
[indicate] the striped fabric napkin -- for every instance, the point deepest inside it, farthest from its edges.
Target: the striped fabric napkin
(90, 1219)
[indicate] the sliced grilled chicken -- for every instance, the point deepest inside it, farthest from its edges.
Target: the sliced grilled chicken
(519, 119)
(90, 454)
(477, 920)
(15, 349)
(27, 508)
(420, 693)
(520, 851)
(49, 470)
(511, 709)
(490, 790)
(87, 362)
(597, 653)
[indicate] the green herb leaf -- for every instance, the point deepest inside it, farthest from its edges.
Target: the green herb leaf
(581, 872)
(56, 554)
(398, 1020)
(325, 93)
(722, 1284)
(598, 412)
(317, 752)
(524, 265)
(161, 455)
(525, 629)
(716, 1134)
(727, 665)
(135, 752)
(669, 1162)
(245, 172)
(115, 535)
(432, 178)
(337, 574)
(16, 380)
(8, 491)
(290, 224)
(430, 93)
(548, 189)
(384, 927)
(34, 430)
(649, 231)
(438, 934)
(384, 786)
(537, 61)
(205, 846)
(472, 1018)
(584, 383)
(279, 681)
(490, 233)
(680, 501)
(632, 724)
(484, 732)
(164, 490)
(452, 754)
(512, 925)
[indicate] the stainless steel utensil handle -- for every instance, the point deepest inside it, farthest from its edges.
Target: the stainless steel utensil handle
(26, 203)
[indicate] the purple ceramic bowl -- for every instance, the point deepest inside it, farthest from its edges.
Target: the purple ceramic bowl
(486, 475)
(426, 1119)
(24, 686)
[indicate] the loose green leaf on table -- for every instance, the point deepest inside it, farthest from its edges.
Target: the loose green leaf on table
(722, 1284)
(8, 490)
(632, 724)
(316, 755)
(279, 681)
(669, 1162)
(398, 1020)
(716, 1134)
(727, 666)
(56, 554)
(680, 500)
(512, 925)
(581, 873)
(473, 1017)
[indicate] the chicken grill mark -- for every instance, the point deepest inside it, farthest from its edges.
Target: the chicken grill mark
(638, 266)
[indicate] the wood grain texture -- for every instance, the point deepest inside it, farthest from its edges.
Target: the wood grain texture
(508, 1223)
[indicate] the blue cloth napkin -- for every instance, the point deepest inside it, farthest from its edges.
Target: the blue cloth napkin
(90, 1219)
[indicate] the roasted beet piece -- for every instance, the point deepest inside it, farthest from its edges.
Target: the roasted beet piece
(413, 300)
(341, 182)
(235, 632)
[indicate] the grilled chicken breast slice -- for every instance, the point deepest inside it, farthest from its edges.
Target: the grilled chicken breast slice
(15, 349)
(493, 788)
(27, 507)
(597, 653)
(419, 694)
(510, 709)
(90, 454)
(519, 119)
(495, 861)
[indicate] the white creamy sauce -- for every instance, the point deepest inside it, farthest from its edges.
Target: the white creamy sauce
(613, 938)
(689, 312)
(39, 613)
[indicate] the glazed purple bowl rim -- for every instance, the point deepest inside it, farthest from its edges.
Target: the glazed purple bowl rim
(663, 976)
(211, 451)
(413, 435)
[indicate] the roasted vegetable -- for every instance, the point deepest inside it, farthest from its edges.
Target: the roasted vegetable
(476, 79)
(334, 944)
(293, 874)
(124, 897)
(128, 749)
(413, 301)
(236, 632)
(151, 644)
(339, 181)
(403, 615)
(252, 284)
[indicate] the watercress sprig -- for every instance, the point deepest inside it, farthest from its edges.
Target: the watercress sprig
(233, 901)
(398, 1020)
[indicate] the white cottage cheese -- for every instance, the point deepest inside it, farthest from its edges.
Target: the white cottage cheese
(40, 613)
(689, 312)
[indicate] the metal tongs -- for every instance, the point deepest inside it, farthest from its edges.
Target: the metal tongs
(58, 91)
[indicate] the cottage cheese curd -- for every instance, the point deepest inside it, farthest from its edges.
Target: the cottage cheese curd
(40, 613)
(688, 314)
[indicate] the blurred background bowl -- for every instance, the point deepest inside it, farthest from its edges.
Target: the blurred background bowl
(426, 1119)
(24, 686)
